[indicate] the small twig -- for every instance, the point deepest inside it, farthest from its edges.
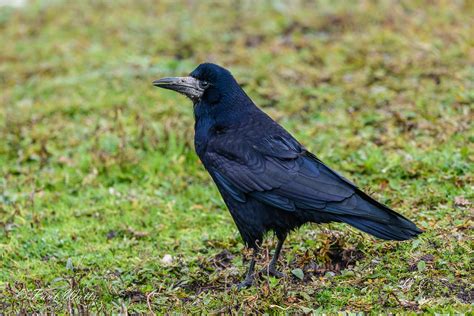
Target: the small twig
(282, 308)
(148, 299)
(396, 298)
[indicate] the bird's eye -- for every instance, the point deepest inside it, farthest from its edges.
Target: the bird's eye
(203, 84)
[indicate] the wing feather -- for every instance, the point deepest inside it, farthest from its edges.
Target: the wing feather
(277, 171)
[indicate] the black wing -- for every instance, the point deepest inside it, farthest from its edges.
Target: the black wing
(278, 171)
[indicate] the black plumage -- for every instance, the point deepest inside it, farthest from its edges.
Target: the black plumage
(267, 179)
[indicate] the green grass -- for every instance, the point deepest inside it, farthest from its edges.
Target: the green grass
(99, 180)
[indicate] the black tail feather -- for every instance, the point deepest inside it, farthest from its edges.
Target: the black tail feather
(377, 219)
(393, 231)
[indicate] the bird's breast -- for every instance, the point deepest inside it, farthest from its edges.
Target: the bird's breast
(202, 135)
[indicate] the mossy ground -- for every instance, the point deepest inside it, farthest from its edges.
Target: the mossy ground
(99, 181)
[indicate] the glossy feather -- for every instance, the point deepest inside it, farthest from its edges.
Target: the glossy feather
(268, 179)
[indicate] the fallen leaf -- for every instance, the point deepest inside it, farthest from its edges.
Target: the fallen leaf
(421, 266)
(461, 201)
(298, 273)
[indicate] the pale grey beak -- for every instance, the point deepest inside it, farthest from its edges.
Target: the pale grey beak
(188, 86)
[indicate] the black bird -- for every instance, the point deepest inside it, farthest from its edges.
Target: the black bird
(267, 179)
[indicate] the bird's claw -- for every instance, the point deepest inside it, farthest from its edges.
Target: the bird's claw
(270, 270)
(248, 282)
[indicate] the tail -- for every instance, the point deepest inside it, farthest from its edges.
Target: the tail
(372, 217)
(398, 229)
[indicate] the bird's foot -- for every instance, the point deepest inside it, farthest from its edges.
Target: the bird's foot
(247, 282)
(271, 270)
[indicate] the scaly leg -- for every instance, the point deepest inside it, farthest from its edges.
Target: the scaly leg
(248, 281)
(271, 269)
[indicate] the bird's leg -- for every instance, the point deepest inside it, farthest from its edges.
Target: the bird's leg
(248, 281)
(271, 269)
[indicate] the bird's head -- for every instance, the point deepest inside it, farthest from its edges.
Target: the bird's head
(216, 95)
(209, 83)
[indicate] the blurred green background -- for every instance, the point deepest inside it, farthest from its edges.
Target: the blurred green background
(105, 207)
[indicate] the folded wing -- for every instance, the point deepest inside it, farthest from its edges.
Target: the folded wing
(278, 171)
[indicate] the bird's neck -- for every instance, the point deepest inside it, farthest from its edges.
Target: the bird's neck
(211, 119)
(202, 129)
